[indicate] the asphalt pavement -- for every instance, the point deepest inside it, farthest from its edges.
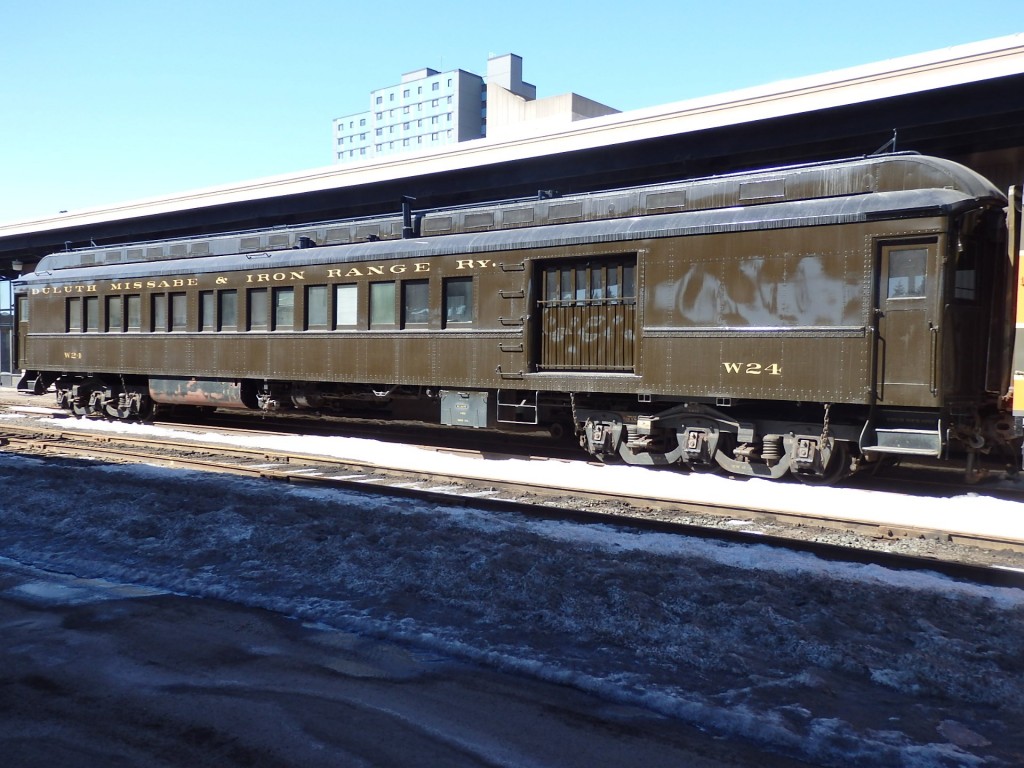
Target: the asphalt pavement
(95, 674)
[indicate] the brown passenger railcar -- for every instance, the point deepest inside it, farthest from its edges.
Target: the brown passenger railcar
(810, 319)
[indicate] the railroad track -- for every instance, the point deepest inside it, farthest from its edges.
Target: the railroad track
(977, 558)
(915, 475)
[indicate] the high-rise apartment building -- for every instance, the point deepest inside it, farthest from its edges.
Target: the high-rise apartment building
(430, 108)
(426, 109)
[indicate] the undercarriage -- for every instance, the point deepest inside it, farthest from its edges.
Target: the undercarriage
(813, 442)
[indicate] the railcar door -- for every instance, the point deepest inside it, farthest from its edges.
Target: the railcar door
(21, 340)
(587, 315)
(907, 326)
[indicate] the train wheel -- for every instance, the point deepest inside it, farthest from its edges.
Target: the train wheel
(113, 409)
(839, 467)
(559, 431)
(80, 405)
(63, 400)
(132, 408)
(146, 409)
(711, 466)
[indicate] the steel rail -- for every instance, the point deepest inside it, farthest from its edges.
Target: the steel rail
(293, 468)
(823, 520)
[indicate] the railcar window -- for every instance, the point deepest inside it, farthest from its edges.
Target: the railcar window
(345, 306)
(588, 314)
(613, 284)
(74, 314)
(134, 304)
(179, 312)
(316, 307)
(227, 310)
(597, 283)
(907, 272)
(415, 302)
(458, 300)
(206, 311)
(628, 281)
(159, 314)
(284, 309)
(257, 299)
(966, 289)
(92, 313)
(23, 309)
(115, 314)
(551, 283)
(581, 284)
(382, 304)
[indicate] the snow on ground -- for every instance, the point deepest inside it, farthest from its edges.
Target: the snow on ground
(836, 664)
(966, 513)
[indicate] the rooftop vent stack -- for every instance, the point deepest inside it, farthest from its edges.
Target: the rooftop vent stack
(407, 228)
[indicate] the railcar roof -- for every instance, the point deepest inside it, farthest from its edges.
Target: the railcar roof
(876, 175)
(815, 212)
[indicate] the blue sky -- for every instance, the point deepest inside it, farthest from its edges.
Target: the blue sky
(107, 101)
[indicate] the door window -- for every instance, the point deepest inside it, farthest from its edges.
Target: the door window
(907, 268)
